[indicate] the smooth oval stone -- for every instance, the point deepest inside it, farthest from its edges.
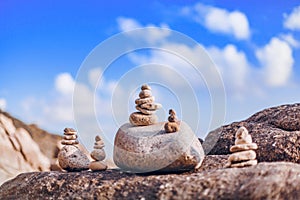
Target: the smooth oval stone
(145, 111)
(71, 158)
(145, 87)
(98, 154)
(151, 106)
(98, 166)
(140, 119)
(242, 156)
(142, 149)
(145, 100)
(243, 147)
(245, 164)
(145, 93)
(171, 127)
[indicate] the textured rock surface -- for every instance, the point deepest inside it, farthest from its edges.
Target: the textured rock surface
(149, 148)
(18, 151)
(264, 181)
(275, 130)
(26, 148)
(71, 158)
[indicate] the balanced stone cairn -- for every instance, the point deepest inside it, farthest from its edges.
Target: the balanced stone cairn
(70, 157)
(243, 150)
(98, 154)
(146, 107)
(172, 126)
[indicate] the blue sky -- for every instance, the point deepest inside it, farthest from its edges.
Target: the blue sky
(254, 44)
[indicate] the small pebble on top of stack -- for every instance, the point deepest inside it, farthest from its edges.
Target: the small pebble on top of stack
(70, 157)
(172, 126)
(146, 107)
(98, 154)
(243, 150)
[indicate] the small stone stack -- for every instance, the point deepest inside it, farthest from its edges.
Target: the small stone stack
(70, 137)
(98, 154)
(146, 107)
(243, 150)
(70, 157)
(172, 126)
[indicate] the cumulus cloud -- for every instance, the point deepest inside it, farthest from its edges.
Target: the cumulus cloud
(2, 104)
(292, 20)
(233, 65)
(153, 36)
(64, 83)
(289, 38)
(277, 62)
(219, 20)
(127, 24)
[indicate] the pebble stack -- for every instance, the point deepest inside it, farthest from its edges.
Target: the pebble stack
(70, 157)
(171, 126)
(98, 154)
(146, 108)
(243, 153)
(70, 137)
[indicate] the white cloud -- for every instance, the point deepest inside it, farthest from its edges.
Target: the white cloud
(64, 83)
(233, 65)
(94, 75)
(289, 38)
(127, 24)
(2, 104)
(153, 35)
(220, 20)
(277, 62)
(292, 20)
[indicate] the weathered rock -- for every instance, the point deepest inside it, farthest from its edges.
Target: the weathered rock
(18, 151)
(145, 94)
(145, 100)
(279, 180)
(71, 158)
(142, 149)
(146, 107)
(98, 154)
(145, 111)
(243, 147)
(26, 148)
(98, 166)
(171, 127)
(139, 119)
(242, 156)
(275, 130)
(151, 106)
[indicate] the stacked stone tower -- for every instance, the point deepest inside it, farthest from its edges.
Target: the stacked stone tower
(243, 150)
(146, 108)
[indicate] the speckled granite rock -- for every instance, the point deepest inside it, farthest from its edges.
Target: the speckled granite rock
(278, 180)
(275, 130)
(142, 149)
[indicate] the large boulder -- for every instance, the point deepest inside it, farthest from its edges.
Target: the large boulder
(141, 149)
(275, 130)
(278, 180)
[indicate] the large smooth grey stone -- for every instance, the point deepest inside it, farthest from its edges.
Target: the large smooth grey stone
(141, 149)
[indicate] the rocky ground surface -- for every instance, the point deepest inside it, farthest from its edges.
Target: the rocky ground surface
(276, 180)
(275, 130)
(277, 176)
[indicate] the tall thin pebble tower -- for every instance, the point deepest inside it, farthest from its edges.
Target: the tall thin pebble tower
(98, 154)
